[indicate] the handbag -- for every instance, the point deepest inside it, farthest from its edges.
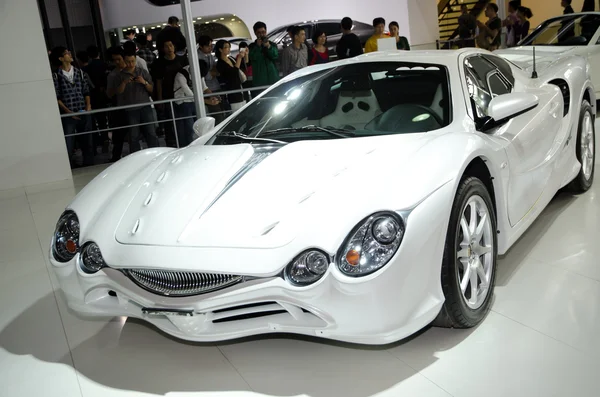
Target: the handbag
(243, 77)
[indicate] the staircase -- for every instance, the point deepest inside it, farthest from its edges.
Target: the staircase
(448, 13)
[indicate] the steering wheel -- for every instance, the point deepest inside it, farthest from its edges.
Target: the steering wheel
(401, 116)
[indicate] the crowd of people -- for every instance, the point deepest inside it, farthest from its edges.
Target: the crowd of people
(488, 35)
(137, 74)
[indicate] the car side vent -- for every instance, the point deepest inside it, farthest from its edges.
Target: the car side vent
(566, 93)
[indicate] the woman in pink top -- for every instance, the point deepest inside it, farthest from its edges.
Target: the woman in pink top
(319, 53)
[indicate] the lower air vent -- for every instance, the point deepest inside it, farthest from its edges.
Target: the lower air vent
(177, 284)
(245, 312)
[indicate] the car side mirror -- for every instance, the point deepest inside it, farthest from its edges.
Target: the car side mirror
(508, 106)
(204, 125)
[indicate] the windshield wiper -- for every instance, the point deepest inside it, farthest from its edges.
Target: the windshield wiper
(235, 134)
(337, 132)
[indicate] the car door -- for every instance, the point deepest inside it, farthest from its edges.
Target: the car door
(533, 139)
(592, 25)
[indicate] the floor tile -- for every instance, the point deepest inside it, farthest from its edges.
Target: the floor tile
(34, 355)
(501, 358)
(25, 375)
(556, 302)
(289, 366)
(131, 356)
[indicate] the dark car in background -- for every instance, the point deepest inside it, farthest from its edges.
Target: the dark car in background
(331, 27)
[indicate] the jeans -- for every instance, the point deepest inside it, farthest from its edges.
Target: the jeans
(117, 119)
(185, 127)
(72, 126)
(140, 116)
(166, 118)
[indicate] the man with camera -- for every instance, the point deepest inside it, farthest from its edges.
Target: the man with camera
(263, 55)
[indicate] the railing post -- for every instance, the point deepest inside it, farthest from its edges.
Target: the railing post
(174, 124)
(186, 9)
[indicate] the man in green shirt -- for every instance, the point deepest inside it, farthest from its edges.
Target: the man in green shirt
(263, 55)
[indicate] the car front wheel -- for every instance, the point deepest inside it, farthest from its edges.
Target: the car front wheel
(470, 255)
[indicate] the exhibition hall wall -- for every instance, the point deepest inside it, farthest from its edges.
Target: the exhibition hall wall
(33, 149)
(421, 30)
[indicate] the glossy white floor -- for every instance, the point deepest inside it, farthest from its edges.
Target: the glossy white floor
(541, 339)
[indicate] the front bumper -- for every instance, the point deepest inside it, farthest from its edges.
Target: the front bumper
(381, 308)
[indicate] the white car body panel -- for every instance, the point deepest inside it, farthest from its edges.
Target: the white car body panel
(546, 55)
(172, 210)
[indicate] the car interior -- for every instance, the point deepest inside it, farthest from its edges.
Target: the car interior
(393, 101)
(363, 99)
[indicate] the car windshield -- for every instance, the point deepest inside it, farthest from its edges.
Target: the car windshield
(570, 30)
(356, 100)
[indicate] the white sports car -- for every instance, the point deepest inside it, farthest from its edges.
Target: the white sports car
(359, 200)
(565, 35)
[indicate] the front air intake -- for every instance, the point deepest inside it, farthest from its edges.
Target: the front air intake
(178, 284)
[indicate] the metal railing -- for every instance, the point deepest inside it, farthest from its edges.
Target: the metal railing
(158, 121)
(452, 43)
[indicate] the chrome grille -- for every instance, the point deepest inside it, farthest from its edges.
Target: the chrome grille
(172, 283)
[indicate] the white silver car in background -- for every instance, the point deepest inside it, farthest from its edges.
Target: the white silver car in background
(358, 200)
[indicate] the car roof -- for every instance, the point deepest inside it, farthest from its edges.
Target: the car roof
(576, 14)
(444, 57)
(448, 58)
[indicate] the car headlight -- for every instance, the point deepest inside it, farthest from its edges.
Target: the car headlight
(91, 258)
(307, 268)
(66, 237)
(371, 245)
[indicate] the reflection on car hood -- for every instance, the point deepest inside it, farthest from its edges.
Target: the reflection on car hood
(545, 55)
(196, 197)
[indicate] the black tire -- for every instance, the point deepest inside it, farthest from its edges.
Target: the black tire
(582, 184)
(456, 313)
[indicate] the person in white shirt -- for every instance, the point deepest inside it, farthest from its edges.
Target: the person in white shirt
(184, 103)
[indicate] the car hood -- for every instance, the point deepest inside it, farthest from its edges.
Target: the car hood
(242, 196)
(545, 55)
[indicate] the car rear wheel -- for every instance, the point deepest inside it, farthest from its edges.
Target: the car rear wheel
(585, 149)
(470, 255)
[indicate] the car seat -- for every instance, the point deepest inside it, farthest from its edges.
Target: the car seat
(357, 105)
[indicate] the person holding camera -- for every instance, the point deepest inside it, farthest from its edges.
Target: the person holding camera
(263, 55)
(133, 86)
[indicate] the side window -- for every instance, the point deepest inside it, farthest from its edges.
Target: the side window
(504, 68)
(476, 73)
(330, 28)
(485, 81)
(497, 85)
(309, 29)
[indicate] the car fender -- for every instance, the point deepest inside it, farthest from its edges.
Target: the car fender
(97, 194)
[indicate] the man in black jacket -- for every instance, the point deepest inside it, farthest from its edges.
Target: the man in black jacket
(566, 4)
(349, 45)
(171, 33)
